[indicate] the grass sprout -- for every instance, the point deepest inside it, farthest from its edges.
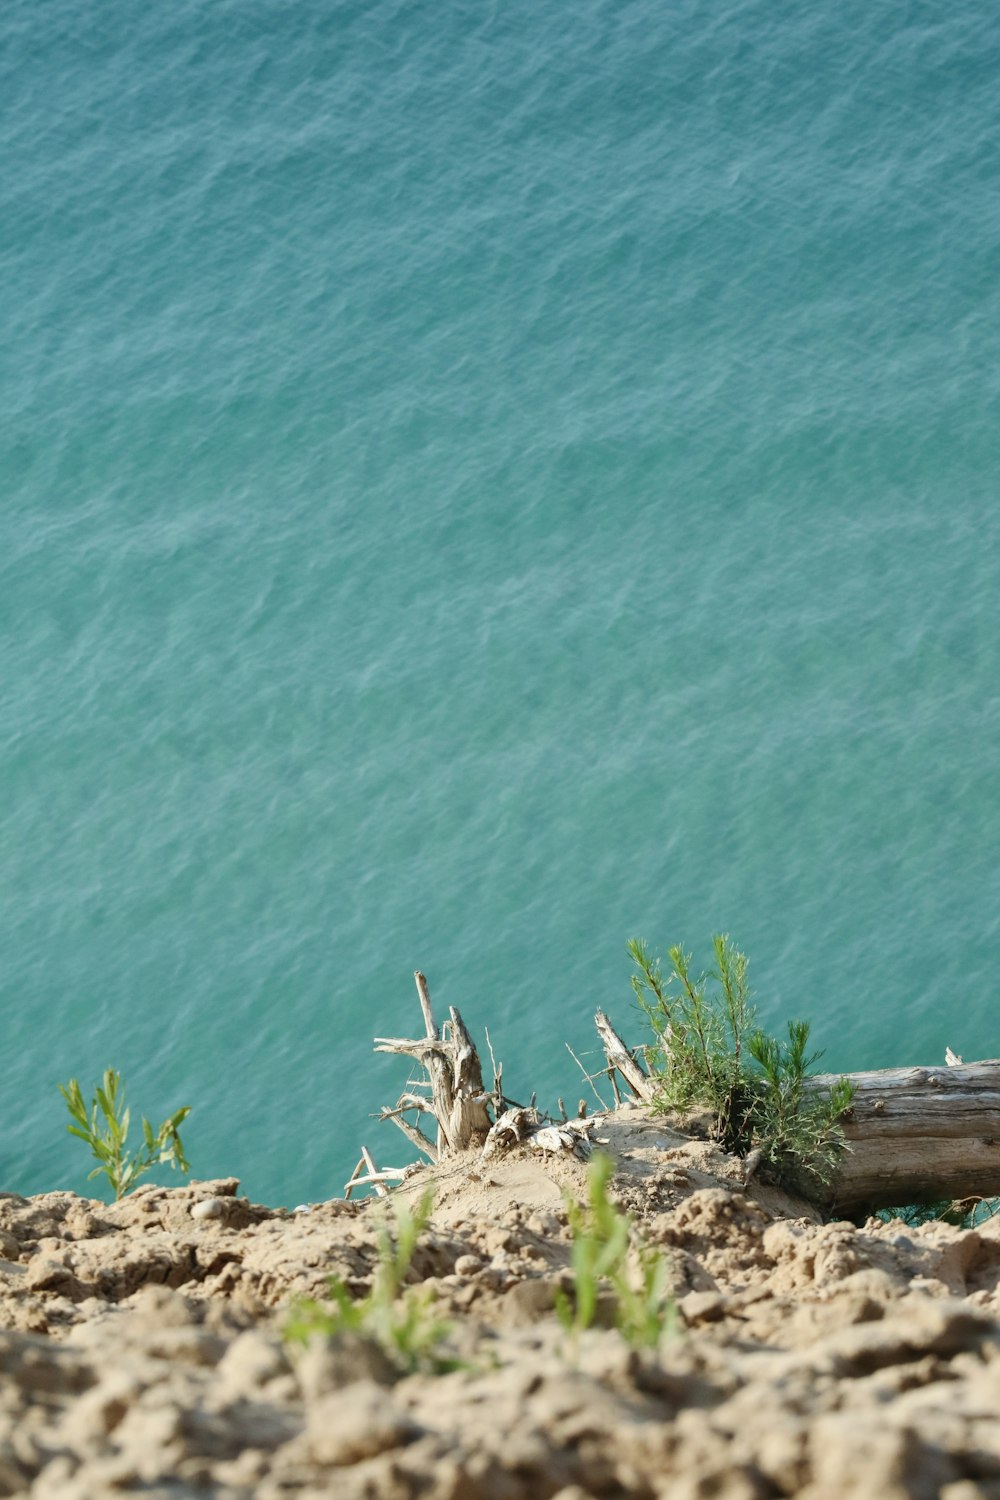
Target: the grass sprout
(105, 1130)
(606, 1254)
(399, 1319)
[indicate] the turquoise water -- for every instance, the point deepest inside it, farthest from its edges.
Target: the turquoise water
(479, 483)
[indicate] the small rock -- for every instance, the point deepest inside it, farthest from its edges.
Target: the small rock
(357, 1423)
(208, 1208)
(243, 1472)
(544, 1221)
(876, 1460)
(155, 1307)
(468, 1265)
(327, 1365)
(251, 1361)
(702, 1307)
(99, 1411)
(528, 1301)
(53, 1272)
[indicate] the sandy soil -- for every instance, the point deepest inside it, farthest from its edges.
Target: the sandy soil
(141, 1346)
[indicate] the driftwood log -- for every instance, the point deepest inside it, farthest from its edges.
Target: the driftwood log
(918, 1135)
(913, 1135)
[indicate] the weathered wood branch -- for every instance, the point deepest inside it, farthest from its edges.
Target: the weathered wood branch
(420, 1049)
(377, 1177)
(425, 1004)
(621, 1058)
(470, 1120)
(412, 1132)
(918, 1135)
(410, 1101)
(601, 1073)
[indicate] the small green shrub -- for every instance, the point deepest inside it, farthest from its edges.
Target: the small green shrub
(798, 1133)
(401, 1321)
(701, 1035)
(602, 1235)
(107, 1140)
(708, 1051)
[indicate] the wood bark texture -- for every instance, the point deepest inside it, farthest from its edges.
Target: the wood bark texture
(918, 1135)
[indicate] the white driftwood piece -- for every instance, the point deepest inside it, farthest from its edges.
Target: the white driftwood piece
(377, 1177)
(918, 1135)
(519, 1126)
(568, 1135)
(510, 1129)
(620, 1058)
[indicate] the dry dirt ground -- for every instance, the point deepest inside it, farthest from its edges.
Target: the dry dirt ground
(141, 1347)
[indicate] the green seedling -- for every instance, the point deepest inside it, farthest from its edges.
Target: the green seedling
(709, 1052)
(701, 1034)
(105, 1130)
(798, 1132)
(602, 1237)
(400, 1320)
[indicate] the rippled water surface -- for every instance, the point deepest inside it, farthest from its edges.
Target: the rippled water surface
(478, 483)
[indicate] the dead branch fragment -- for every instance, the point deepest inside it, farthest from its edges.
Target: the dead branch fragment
(377, 1177)
(412, 1132)
(519, 1126)
(497, 1075)
(425, 1004)
(588, 1076)
(572, 1136)
(511, 1129)
(622, 1060)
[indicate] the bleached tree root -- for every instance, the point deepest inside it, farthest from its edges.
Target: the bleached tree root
(458, 1099)
(468, 1116)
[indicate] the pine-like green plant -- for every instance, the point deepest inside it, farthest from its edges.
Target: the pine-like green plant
(709, 1052)
(701, 1035)
(105, 1130)
(602, 1236)
(797, 1131)
(401, 1320)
